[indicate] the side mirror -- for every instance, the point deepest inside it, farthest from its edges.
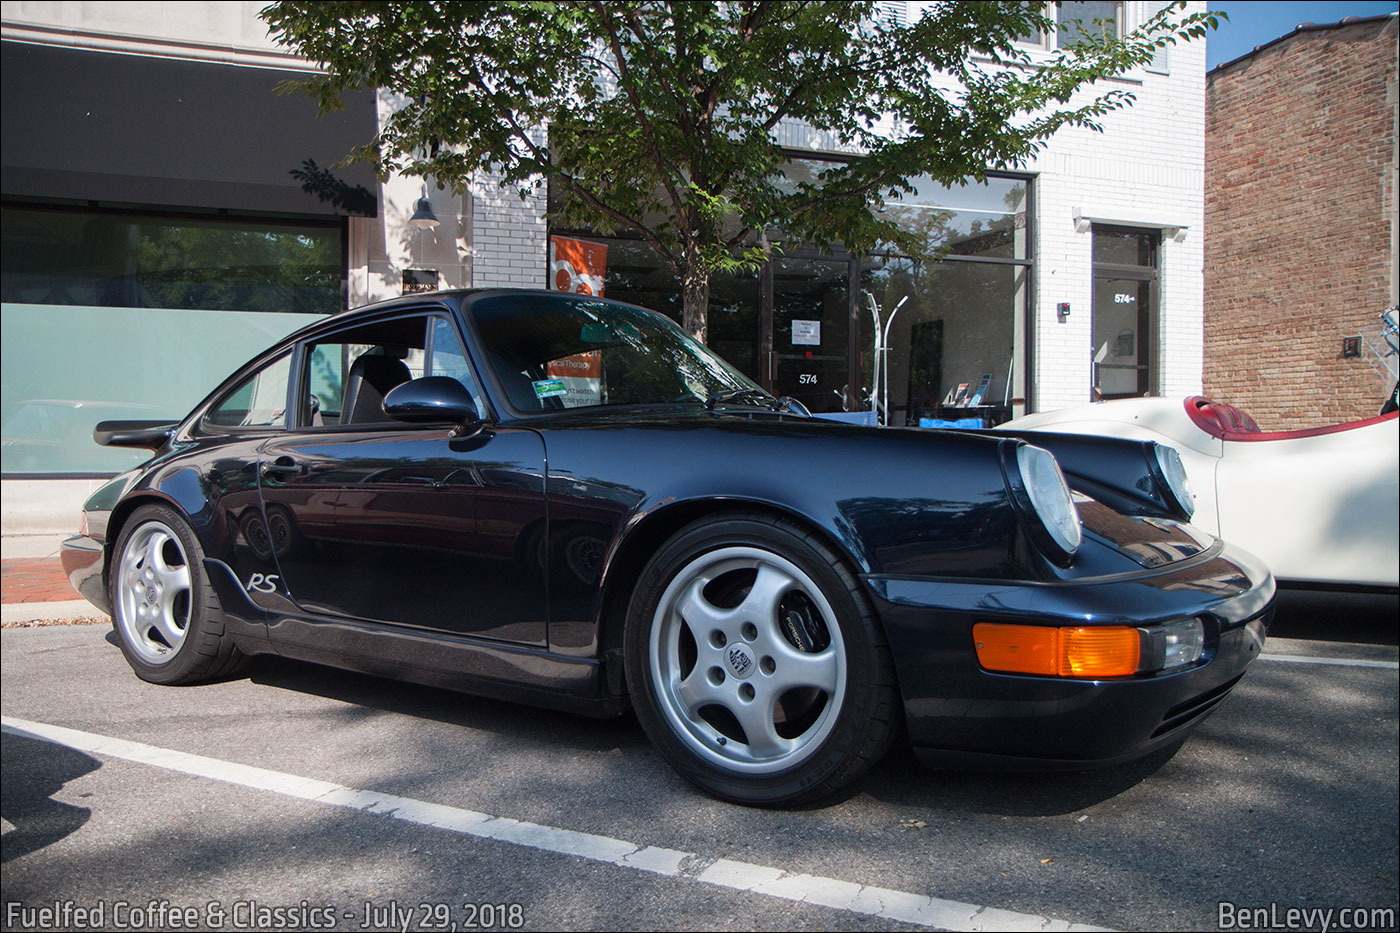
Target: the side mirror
(433, 399)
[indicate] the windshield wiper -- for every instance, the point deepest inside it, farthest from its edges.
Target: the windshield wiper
(762, 399)
(735, 395)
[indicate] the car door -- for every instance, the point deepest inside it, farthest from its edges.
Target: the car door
(218, 490)
(399, 524)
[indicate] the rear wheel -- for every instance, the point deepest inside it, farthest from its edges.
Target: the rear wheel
(756, 665)
(167, 616)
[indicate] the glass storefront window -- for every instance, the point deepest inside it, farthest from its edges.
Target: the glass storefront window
(799, 171)
(979, 219)
(963, 325)
(955, 345)
(61, 257)
(111, 316)
(635, 275)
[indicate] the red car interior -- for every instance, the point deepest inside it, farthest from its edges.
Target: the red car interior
(1229, 423)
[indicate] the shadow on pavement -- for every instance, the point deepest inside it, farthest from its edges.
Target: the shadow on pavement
(31, 772)
(1325, 615)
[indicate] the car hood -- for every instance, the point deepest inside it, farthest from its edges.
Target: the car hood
(1149, 542)
(908, 501)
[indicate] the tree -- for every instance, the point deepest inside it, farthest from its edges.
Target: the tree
(658, 116)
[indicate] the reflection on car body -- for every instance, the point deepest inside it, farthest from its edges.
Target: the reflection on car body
(646, 528)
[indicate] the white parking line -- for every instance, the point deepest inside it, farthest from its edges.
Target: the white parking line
(1342, 662)
(740, 876)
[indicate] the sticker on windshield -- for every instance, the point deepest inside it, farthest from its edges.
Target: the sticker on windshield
(549, 388)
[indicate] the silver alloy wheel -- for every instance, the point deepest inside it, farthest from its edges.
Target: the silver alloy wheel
(717, 666)
(153, 593)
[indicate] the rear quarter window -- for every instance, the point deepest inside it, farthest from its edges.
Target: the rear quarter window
(260, 401)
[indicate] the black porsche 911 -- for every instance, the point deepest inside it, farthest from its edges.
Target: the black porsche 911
(569, 502)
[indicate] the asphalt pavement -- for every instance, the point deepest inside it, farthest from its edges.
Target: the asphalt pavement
(303, 797)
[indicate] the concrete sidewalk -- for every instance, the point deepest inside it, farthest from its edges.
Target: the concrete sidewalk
(33, 586)
(36, 516)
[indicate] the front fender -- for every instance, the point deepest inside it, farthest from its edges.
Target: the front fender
(1118, 472)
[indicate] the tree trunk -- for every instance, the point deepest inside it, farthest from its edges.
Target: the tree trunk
(695, 298)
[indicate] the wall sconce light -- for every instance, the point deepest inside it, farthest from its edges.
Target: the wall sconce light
(423, 217)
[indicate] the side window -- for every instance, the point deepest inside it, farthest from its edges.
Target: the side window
(449, 358)
(260, 401)
(349, 373)
(325, 375)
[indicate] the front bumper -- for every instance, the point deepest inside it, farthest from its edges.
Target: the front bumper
(961, 715)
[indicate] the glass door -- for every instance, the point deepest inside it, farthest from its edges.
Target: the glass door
(1124, 330)
(1122, 337)
(811, 324)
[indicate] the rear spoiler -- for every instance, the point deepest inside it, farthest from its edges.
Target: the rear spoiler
(1116, 471)
(151, 435)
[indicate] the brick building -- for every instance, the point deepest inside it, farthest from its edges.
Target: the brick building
(1301, 221)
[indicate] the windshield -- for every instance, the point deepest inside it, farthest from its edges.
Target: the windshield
(553, 351)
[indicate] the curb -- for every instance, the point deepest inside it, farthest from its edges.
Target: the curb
(11, 613)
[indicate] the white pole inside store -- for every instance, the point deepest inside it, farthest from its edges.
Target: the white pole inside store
(885, 353)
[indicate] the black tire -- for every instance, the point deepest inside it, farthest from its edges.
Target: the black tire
(779, 689)
(167, 617)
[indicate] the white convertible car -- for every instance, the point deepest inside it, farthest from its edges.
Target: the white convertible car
(1320, 506)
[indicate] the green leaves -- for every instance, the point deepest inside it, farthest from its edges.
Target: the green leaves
(662, 118)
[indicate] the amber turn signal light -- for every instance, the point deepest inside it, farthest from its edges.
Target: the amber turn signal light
(1099, 651)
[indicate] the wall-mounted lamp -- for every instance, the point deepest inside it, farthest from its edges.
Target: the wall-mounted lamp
(423, 217)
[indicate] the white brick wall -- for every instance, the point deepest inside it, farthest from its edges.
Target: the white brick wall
(1146, 168)
(509, 237)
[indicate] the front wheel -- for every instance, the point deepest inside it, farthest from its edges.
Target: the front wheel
(166, 614)
(756, 665)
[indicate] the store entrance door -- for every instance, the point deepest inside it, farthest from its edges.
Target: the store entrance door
(810, 332)
(1122, 337)
(1124, 330)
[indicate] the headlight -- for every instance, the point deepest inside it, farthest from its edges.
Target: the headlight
(1183, 643)
(1172, 645)
(1174, 472)
(1049, 498)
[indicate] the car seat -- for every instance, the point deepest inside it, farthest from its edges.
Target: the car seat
(371, 377)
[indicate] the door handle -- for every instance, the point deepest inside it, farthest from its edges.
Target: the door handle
(282, 468)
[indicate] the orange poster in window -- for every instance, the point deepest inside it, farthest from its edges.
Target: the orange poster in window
(582, 376)
(577, 266)
(585, 365)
